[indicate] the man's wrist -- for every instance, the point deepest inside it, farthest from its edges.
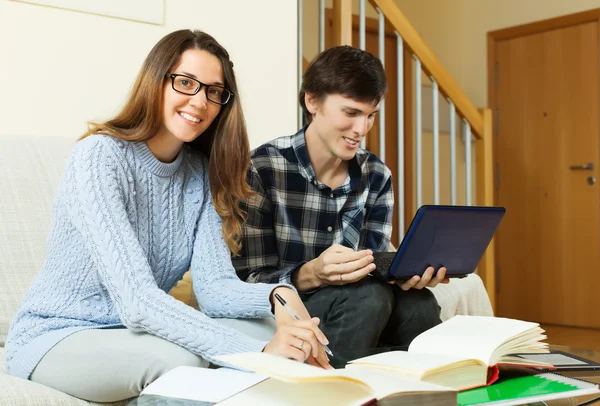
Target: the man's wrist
(303, 278)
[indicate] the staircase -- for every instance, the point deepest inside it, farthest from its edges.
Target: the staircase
(428, 130)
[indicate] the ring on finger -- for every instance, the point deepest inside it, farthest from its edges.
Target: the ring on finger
(301, 344)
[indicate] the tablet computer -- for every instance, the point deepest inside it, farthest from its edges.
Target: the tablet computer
(563, 361)
(454, 237)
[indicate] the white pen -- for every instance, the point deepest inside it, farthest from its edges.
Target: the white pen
(295, 315)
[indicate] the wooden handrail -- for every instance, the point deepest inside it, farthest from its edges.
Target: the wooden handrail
(431, 65)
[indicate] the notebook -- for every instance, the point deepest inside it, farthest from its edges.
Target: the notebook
(527, 389)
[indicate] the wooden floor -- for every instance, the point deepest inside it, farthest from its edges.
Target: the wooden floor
(573, 336)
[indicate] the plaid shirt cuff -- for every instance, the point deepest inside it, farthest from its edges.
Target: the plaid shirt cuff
(286, 273)
(286, 277)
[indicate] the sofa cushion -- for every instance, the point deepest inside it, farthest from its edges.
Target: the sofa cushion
(30, 169)
(464, 296)
(15, 391)
(2, 361)
(20, 392)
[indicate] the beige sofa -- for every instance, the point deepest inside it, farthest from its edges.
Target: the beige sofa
(30, 169)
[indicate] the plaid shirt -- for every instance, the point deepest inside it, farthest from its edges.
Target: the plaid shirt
(293, 217)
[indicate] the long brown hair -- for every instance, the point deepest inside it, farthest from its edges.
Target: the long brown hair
(225, 142)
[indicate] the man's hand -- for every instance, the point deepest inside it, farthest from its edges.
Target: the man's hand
(337, 265)
(426, 280)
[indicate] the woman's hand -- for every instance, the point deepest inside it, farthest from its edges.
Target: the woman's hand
(300, 340)
(297, 339)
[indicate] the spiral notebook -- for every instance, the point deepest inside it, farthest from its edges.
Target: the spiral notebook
(527, 389)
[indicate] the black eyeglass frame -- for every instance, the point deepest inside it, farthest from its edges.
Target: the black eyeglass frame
(204, 86)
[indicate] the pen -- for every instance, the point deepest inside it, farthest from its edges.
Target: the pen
(295, 315)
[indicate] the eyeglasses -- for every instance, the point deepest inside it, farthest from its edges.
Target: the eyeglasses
(187, 85)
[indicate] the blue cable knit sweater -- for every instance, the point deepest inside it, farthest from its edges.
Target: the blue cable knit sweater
(126, 227)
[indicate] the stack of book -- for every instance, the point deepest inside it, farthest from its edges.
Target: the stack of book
(456, 362)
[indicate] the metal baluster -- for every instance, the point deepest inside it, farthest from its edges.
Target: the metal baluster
(452, 153)
(381, 38)
(400, 115)
(300, 58)
(418, 132)
(362, 31)
(436, 142)
(321, 25)
(362, 34)
(467, 163)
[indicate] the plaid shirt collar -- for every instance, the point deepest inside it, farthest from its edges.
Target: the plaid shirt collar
(306, 169)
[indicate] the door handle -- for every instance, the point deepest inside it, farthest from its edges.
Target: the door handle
(586, 167)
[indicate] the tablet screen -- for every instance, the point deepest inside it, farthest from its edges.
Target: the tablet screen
(562, 360)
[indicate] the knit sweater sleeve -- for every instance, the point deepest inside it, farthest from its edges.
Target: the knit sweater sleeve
(98, 211)
(217, 287)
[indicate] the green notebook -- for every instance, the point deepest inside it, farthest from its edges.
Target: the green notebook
(527, 389)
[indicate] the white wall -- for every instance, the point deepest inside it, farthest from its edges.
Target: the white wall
(61, 68)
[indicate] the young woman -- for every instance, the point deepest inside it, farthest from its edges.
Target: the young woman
(145, 197)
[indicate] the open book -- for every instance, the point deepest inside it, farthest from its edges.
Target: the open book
(301, 384)
(463, 352)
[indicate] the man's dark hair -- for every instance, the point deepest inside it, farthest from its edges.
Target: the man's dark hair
(347, 71)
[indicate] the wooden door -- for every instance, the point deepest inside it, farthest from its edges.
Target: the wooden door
(548, 246)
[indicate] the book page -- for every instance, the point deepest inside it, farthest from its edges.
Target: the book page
(529, 342)
(469, 336)
(411, 363)
(202, 384)
(274, 392)
(379, 383)
(385, 384)
(282, 368)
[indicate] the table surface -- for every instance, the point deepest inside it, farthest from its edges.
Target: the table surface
(590, 376)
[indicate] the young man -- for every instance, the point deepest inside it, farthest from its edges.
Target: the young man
(323, 205)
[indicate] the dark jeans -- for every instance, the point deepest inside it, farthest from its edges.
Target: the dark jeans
(370, 313)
